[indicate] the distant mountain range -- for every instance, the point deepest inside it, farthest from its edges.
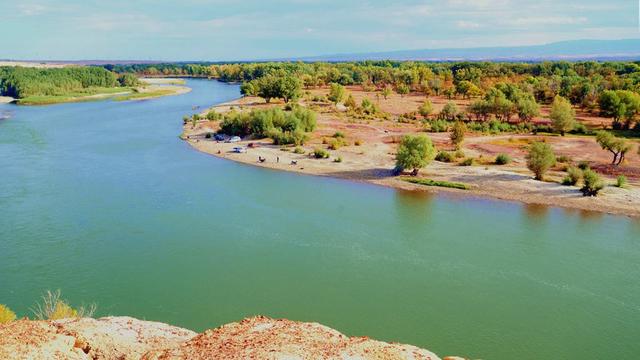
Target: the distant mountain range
(602, 50)
(564, 50)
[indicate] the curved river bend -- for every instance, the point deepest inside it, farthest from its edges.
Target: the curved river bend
(103, 201)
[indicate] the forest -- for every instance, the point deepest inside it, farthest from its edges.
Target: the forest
(22, 82)
(505, 91)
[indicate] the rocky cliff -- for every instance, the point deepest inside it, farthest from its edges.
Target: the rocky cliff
(117, 338)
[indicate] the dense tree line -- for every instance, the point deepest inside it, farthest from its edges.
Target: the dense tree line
(499, 90)
(21, 82)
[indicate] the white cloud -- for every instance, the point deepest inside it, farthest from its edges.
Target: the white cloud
(547, 20)
(31, 9)
(463, 24)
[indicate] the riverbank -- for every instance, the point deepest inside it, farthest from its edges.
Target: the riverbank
(374, 157)
(128, 338)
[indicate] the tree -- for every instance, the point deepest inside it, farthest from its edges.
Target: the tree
(402, 89)
(415, 152)
(619, 104)
(562, 115)
(527, 108)
(617, 146)
(350, 102)
(457, 134)
(426, 108)
(386, 91)
(274, 86)
(337, 93)
(467, 89)
(540, 159)
(592, 183)
(449, 111)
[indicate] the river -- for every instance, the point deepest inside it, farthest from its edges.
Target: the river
(103, 201)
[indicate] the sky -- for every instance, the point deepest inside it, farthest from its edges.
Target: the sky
(217, 30)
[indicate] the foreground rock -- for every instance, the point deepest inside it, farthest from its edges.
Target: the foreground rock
(128, 338)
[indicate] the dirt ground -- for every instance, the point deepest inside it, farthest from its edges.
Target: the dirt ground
(373, 159)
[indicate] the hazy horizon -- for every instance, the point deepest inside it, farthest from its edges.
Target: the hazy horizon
(216, 30)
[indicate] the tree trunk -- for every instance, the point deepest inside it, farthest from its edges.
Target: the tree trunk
(415, 172)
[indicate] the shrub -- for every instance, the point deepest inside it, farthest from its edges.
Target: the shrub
(207, 135)
(357, 142)
(426, 108)
(459, 154)
(415, 152)
(621, 181)
(298, 150)
(502, 159)
(444, 156)
(540, 159)
(592, 183)
(573, 176)
(337, 93)
(338, 159)
(6, 315)
(563, 159)
(467, 162)
(339, 134)
(583, 165)
(438, 126)
(579, 128)
(54, 308)
(296, 137)
(562, 115)
(320, 153)
(213, 115)
(457, 133)
(337, 143)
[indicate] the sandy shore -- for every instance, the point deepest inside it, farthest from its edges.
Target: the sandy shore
(372, 162)
(6, 99)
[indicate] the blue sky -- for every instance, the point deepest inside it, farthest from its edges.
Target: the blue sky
(252, 29)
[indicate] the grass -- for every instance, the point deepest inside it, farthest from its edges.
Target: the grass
(6, 315)
(144, 95)
(438, 183)
(53, 307)
(87, 94)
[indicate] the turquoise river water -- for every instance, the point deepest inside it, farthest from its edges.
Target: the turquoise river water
(103, 201)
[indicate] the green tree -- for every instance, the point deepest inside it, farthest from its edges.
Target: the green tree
(337, 93)
(415, 152)
(402, 89)
(562, 115)
(426, 108)
(540, 159)
(386, 91)
(457, 134)
(592, 183)
(527, 108)
(616, 146)
(449, 111)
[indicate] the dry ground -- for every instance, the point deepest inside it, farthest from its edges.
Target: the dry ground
(373, 160)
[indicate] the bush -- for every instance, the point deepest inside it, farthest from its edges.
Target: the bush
(592, 183)
(338, 159)
(563, 159)
(339, 134)
(320, 153)
(583, 165)
(54, 308)
(579, 128)
(467, 162)
(279, 137)
(337, 143)
(213, 116)
(573, 176)
(502, 159)
(621, 181)
(357, 142)
(415, 152)
(444, 156)
(298, 150)
(540, 159)
(438, 126)
(6, 315)
(459, 154)
(284, 127)
(457, 133)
